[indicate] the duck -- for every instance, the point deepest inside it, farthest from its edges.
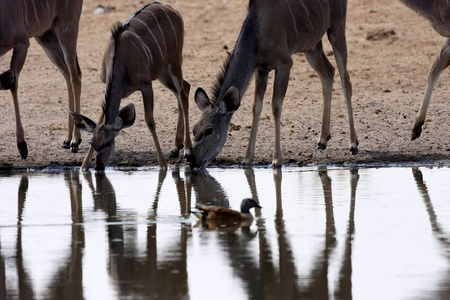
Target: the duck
(223, 214)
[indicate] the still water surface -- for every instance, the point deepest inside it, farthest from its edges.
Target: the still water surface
(322, 233)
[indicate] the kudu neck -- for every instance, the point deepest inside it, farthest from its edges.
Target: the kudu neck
(114, 93)
(423, 7)
(240, 67)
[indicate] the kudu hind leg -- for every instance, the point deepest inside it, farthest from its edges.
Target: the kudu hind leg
(147, 94)
(61, 49)
(325, 70)
(339, 44)
(441, 63)
(17, 60)
(172, 78)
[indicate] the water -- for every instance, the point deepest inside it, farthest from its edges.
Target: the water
(322, 233)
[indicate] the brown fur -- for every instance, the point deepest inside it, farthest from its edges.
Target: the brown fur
(21, 20)
(155, 34)
(271, 33)
(438, 13)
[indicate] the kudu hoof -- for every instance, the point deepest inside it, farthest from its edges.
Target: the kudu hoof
(175, 152)
(322, 146)
(23, 149)
(417, 130)
(74, 149)
(74, 146)
(66, 144)
(354, 149)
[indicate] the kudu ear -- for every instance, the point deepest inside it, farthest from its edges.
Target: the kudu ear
(230, 101)
(126, 117)
(201, 99)
(83, 123)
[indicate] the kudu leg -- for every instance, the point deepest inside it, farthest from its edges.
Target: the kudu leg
(17, 60)
(147, 94)
(261, 79)
(440, 64)
(279, 91)
(325, 70)
(61, 49)
(339, 44)
(172, 78)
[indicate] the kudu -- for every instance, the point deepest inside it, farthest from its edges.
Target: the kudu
(54, 25)
(146, 47)
(438, 13)
(271, 33)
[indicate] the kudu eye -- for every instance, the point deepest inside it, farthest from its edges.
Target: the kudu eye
(208, 131)
(108, 144)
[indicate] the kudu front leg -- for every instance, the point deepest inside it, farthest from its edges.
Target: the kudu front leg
(182, 138)
(339, 43)
(440, 64)
(279, 91)
(260, 89)
(85, 166)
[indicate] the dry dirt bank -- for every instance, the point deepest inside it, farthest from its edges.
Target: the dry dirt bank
(388, 75)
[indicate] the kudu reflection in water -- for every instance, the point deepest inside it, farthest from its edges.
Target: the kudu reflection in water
(262, 278)
(282, 281)
(67, 280)
(135, 275)
(210, 192)
(441, 236)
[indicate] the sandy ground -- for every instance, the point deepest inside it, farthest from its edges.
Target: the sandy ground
(388, 75)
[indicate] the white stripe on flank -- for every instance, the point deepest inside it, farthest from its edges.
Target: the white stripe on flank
(293, 19)
(160, 29)
(308, 19)
(35, 12)
(154, 38)
(48, 6)
(144, 46)
(173, 28)
(25, 13)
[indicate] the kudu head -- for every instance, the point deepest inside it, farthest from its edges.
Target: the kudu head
(104, 134)
(211, 131)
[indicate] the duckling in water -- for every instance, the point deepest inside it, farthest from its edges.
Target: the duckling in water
(218, 213)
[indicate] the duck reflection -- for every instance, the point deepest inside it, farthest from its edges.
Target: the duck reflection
(138, 276)
(441, 236)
